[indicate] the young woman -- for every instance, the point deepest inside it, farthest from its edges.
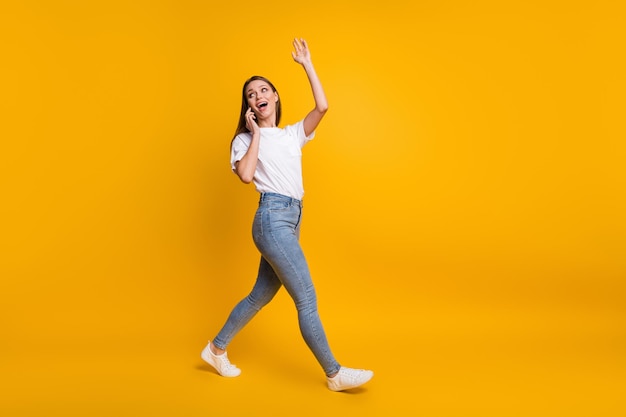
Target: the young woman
(270, 156)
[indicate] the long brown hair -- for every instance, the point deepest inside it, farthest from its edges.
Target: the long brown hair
(241, 126)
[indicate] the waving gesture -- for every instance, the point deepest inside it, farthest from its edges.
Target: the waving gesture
(301, 53)
(302, 56)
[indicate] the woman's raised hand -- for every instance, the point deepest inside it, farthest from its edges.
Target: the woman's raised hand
(301, 53)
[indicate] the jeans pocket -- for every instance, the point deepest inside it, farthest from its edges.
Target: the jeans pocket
(278, 205)
(283, 218)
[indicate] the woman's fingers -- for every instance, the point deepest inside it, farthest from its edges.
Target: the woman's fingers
(297, 44)
(301, 53)
(250, 119)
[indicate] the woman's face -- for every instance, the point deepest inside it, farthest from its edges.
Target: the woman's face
(261, 99)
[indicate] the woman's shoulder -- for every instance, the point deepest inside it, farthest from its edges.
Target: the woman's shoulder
(245, 137)
(241, 140)
(294, 128)
(285, 130)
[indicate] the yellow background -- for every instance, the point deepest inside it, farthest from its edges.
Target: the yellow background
(464, 209)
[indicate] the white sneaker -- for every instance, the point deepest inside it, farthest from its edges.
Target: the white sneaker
(348, 378)
(220, 362)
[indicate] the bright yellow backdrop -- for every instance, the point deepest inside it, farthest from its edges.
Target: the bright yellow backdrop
(465, 201)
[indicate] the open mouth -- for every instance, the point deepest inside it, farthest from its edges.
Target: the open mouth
(262, 105)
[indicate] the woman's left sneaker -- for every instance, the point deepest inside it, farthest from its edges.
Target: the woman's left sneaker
(348, 378)
(220, 362)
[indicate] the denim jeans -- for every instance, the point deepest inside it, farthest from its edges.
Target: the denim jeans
(276, 230)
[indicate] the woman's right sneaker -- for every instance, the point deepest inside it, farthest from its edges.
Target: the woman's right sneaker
(220, 362)
(348, 378)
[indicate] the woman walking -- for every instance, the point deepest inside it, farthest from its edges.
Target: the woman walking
(270, 157)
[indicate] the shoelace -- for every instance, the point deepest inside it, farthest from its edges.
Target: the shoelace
(225, 362)
(351, 373)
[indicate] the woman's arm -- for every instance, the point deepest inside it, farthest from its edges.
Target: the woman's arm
(246, 166)
(302, 56)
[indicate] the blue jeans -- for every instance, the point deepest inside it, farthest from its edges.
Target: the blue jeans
(276, 230)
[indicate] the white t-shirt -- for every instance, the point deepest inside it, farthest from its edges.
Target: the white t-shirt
(279, 167)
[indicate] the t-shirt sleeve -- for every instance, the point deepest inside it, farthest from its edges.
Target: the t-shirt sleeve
(297, 130)
(238, 150)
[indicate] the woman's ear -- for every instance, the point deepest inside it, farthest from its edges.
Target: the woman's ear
(276, 97)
